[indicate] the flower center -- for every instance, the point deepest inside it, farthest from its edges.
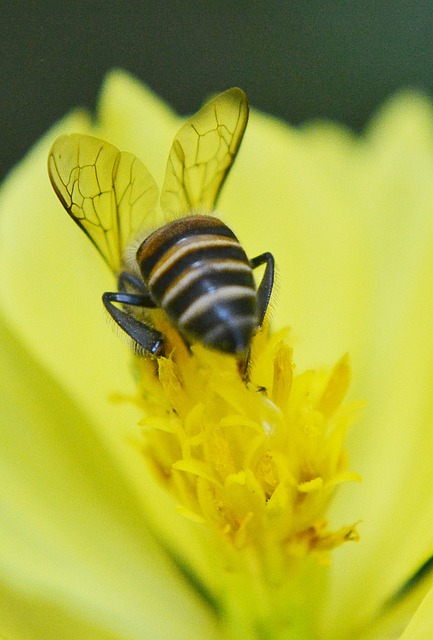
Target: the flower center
(256, 460)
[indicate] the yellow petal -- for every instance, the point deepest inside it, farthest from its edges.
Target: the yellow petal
(136, 120)
(51, 288)
(77, 557)
(393, 358)
(421, 625)
(289, 194)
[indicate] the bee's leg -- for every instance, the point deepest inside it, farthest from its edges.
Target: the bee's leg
(264, 290)
(264, 293)
(144, 335)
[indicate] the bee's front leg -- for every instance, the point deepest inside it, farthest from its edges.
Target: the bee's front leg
(145, 336)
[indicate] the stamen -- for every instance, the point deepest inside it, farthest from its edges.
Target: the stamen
(256, 461)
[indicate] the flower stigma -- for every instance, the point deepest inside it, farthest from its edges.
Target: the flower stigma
(255, 458)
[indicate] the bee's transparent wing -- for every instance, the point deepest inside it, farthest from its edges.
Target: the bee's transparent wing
(107, 192)
(203, 152)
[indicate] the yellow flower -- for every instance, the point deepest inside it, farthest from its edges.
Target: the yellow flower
(92, 545)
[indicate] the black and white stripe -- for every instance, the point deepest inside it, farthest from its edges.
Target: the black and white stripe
(197, 271)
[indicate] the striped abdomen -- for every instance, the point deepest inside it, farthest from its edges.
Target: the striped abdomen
(197, 271)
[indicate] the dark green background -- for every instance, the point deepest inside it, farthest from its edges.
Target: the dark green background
(298, 60)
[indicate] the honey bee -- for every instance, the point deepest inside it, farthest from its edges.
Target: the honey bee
(193, 266)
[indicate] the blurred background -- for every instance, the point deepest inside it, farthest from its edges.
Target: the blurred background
(299, 60)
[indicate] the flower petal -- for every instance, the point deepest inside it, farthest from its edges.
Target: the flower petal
(133, 118)
(421, 625)
(393, 357)
(288, 193)
(52, 284)
(77, 558)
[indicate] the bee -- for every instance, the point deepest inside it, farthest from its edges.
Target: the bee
(192, 266)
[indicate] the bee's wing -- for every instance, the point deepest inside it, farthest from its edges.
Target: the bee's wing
(107, 192)
(203, 152)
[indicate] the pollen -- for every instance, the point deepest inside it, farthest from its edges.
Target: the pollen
(256, 456)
